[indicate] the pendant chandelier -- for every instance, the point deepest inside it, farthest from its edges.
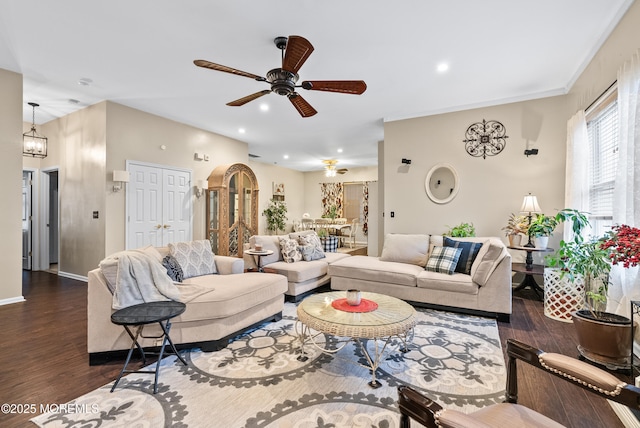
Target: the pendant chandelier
(34, 144)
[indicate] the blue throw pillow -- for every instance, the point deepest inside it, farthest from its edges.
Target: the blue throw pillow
(443, 260)
(468, 254)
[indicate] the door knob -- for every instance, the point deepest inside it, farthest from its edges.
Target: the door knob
(158, 226)
(166, 226)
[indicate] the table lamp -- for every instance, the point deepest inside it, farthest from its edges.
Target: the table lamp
(530, 206)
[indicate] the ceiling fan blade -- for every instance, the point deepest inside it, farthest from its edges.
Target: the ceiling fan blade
(242, 101)
(355, 87)
(303, 107)
(297, 51)
(342, 170)
(207, 64)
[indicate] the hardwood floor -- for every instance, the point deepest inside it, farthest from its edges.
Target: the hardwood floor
(44, 361)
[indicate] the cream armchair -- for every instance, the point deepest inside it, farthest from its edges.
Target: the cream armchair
(414, 405)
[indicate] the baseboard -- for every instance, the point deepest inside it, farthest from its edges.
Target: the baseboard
(627, 417)
(73, 276)
(11, 300)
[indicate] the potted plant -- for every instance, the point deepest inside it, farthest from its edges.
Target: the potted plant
(515, 228)
(541, 228)
(276, 214)
(332, 213)
(462, 230)
(603, 337)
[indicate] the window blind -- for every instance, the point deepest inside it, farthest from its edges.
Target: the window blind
(602, 127)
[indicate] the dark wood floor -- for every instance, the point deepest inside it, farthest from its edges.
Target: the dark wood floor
(43, 358)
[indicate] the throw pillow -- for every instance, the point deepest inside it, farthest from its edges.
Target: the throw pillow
(173, 268)
(311, 239)
(290, 251)
(468, 254)
(195, 257)
(443, 260)
(310, 252)
(405, 248)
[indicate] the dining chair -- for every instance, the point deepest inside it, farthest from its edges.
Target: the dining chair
(349, 232)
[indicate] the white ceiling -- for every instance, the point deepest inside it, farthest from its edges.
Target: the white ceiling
(140, 54)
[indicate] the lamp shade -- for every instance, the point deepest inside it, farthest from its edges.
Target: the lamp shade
(121, 176)
(530, 204)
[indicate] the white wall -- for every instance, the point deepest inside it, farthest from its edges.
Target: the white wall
(11, 193)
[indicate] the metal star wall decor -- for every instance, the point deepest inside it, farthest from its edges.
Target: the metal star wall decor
(486, 138)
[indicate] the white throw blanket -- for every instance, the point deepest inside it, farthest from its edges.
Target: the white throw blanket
(140, 279)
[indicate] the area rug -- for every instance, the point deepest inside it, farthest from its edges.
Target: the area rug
(257, 381)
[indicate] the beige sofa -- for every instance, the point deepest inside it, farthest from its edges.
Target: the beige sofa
(400, 272)
(233, 301)
(303, 276)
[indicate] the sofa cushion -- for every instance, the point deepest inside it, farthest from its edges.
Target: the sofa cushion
(489, 256)
(173, 268)
(405, 248)
(443, 259)
(374, 269)
(290, 251)
(468, 254)
(268, 242)
(195, 257)
(334, 257)
(231, 294)
(456, 282)
(301, 271)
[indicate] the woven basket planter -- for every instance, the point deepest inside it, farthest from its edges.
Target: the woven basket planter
(562, 297)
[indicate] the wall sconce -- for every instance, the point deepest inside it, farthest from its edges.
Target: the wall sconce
(406, 161)
(200, 188)
(532, 152)
(119, 177)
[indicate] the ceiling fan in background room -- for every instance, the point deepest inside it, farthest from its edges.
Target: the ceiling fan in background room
(330, 169)
(295, 51)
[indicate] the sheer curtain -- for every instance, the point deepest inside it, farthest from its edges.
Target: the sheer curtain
(625, 283)
(576, 191)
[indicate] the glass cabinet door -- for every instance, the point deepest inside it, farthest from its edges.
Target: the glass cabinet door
(213, 221)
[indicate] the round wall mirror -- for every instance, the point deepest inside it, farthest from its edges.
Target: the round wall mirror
(442, 183)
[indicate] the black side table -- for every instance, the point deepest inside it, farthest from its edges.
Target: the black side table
(529, 269)
(140, 315)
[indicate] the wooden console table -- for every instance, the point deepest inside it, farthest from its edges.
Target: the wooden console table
(529, 269)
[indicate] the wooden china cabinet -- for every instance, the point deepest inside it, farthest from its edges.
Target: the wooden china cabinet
(232, 208)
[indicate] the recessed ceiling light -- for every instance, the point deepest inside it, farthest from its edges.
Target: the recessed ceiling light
(442, 67)
(339, 150)
(241, 130)
(286, 156)
(264, 107)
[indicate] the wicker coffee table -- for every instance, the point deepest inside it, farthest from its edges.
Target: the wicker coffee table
(393, 318)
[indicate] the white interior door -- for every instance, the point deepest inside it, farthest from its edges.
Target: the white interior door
(158, 205)
(26, 220)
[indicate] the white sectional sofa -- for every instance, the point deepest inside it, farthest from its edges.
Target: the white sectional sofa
(400, 272)
(302, 276)
(218, 307)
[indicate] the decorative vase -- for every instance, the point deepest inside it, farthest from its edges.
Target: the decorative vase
(353, 297)
(542, 241)
(604, 340)
(515, 240)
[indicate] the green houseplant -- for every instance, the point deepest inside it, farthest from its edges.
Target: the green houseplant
(541, 228)
(603, 337)
(276, 213)
(462, 230)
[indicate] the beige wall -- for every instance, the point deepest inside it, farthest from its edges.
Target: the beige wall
(138, 136)
(11, 175)
(293, 186)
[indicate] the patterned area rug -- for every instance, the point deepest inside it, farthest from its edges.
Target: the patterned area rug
(257, 381)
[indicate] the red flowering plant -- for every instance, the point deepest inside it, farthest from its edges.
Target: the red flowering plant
(623, 244)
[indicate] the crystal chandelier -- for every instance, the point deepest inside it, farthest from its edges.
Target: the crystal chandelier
(34, 144)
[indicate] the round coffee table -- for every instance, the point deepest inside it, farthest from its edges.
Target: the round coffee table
(392, 318)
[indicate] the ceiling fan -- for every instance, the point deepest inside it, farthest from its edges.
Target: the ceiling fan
(295, 51)
(330, 168)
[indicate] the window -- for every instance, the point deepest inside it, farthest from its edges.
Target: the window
(352, 201)
(602, 128)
